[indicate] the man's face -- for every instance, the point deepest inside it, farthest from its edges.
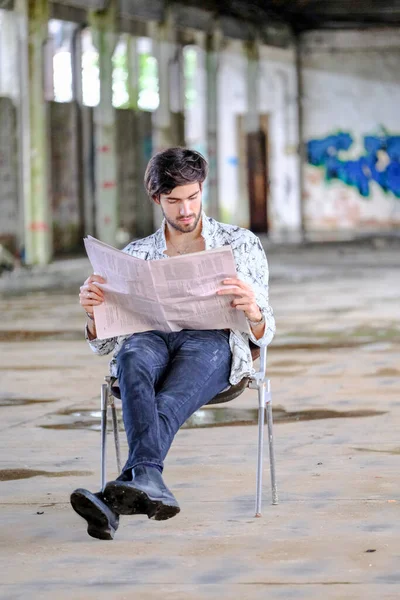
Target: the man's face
(182, 207)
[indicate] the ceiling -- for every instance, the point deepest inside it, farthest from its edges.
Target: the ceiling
(300, 15)
(312, 14)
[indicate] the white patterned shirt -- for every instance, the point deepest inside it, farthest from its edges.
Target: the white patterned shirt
(252, 268)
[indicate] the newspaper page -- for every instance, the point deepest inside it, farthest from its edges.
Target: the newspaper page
(165, 295)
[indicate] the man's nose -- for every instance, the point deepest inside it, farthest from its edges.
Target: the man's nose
(185, 208)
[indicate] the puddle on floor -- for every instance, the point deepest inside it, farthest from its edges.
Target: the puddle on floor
(340, 310)
(318, 346)
(213, 417)
(39, 336)
(290, 363)
(393, 451)
(25, 401)
(386, 372)
(292, 373)
(330, 339)
(13, 474)
(34, 368)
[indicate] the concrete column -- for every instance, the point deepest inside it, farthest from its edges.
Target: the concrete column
(85, 197)
(11, 223)
(253, 90)
(76, 65)
(212, 46)
(169, 117)
(48, 69)
(106, 194)
(252, 118)
(33, 18)
(177, 92)
(302, 147)
(8, 56)
(133, 71)
(164, 47)
(162, 118)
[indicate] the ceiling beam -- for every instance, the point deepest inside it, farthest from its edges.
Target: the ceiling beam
(344, 7)
(273, 21)
(7, 4)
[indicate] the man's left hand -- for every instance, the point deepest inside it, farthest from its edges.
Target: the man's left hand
(245, 299)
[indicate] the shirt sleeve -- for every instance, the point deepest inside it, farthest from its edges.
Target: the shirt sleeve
(101, 347)
(252, 267)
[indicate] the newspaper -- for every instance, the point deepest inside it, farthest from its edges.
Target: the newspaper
(164, 295)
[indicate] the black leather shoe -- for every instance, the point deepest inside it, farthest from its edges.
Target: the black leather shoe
(145, 494)
(102, 520)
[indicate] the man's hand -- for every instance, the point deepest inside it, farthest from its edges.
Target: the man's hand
(90, 294)
(245, 299)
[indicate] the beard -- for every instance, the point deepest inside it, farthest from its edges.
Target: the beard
(184, 228)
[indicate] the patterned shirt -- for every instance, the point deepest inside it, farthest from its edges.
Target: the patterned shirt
(252, 268)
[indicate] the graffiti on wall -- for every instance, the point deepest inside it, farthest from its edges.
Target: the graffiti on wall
(379, 162)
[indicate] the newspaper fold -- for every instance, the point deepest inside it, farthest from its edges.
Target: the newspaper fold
(165, 295)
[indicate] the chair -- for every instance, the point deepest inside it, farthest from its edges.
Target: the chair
(110, 391)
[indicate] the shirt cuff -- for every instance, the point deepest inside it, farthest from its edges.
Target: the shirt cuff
(268, 334)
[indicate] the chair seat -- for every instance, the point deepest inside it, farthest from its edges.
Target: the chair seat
(229, 394)
(232, 392)
(226, 396)
(115, 390)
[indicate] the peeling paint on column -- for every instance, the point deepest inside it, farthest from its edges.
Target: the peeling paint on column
(106, 194)
(38, 236)
(213, 45)
(8, 174)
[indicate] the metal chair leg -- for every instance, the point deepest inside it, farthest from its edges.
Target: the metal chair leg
(271, 453)
(104, 406)
(116, 434)
(261, 415)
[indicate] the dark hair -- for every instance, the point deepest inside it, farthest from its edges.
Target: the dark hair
(170, 168)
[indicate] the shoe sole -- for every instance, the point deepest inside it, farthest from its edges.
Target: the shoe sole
(131, 501)
(98, 524)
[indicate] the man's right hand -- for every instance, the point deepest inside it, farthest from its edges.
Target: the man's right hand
(90, 294)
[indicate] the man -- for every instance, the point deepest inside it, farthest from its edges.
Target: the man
(165, 377)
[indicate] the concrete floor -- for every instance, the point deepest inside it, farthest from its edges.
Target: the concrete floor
(336, 531)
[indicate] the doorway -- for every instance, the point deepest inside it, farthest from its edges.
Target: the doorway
(254, 172)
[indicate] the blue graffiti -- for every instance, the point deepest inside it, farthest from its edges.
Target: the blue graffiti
(359, 172)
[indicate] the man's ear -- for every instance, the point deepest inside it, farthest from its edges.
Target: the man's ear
(156, 199)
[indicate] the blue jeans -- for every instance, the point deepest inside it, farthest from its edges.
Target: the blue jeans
(164, 378)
